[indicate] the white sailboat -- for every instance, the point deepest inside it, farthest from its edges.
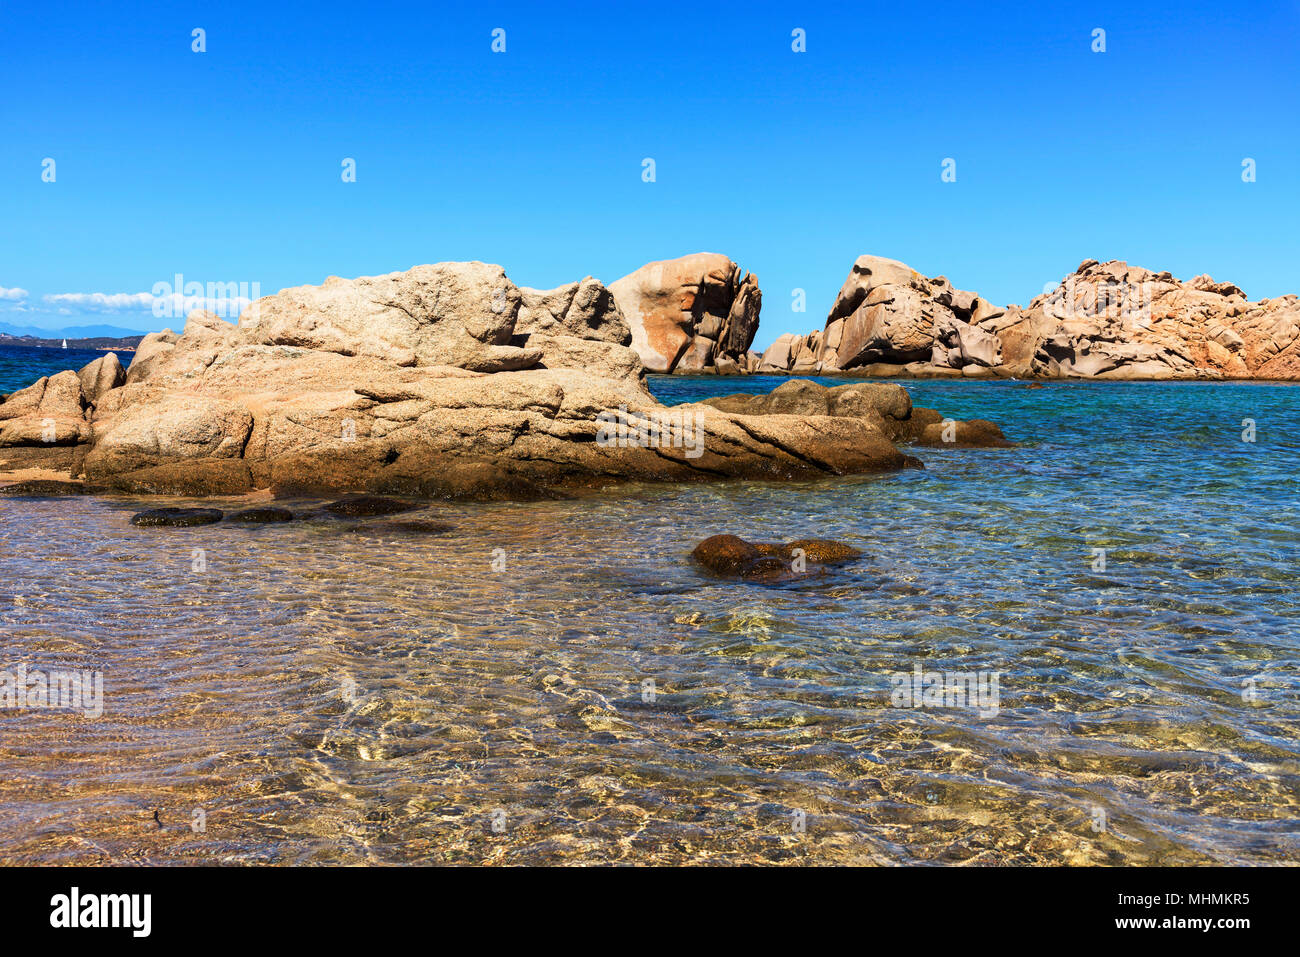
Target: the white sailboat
(65, 343)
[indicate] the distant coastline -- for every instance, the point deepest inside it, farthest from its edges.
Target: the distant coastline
(94, 343)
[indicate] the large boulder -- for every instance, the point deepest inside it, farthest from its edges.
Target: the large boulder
(447, 314)
(780, 355)
(48, 412)
(167, 428)
(686, 314)
(888, 314)
(100, 376)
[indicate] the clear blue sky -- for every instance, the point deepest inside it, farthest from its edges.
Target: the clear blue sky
(225, 165)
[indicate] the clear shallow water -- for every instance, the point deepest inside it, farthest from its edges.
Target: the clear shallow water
(327, 696)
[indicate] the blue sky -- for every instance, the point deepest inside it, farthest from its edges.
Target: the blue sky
(225, 166)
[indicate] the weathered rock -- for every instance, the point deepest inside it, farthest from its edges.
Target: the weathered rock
(887, 407)
(162, 429)
(578, 326)
(975, 433)
(447, 314)
(691, 310)
(780, 354)
(583, 310)
(176, 517)
(890, 319)
(152, 350)
(1115, 321)
(606, 359)
(725, 365)
(100, 376)
(48, 412)
(959, 344)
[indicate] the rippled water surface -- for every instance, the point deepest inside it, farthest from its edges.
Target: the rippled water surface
(324, 695)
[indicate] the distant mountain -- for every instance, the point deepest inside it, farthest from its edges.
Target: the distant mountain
(71, 332)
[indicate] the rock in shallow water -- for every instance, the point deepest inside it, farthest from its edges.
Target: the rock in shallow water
(46, 488)
(973, 434)
(367, 505)
(732, 556)
(726, 554)
(265, 514)
(822, 551)
(178, 517)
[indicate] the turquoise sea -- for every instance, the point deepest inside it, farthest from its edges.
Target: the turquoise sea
(557, 682)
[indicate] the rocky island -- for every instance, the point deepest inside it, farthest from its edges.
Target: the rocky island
(446, 380)
(1105, 321)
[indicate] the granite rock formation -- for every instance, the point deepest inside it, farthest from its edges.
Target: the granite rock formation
(695, 314)
(1106, 320)
(445, 380)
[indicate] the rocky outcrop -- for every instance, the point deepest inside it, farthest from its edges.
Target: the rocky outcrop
(445, 380)
(889, 314)
(1115, 321)
(1106, 320)
(101, 376)
(885, 405)
(694, 314)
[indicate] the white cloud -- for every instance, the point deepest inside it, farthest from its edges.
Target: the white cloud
(13, 294)
(103, 300)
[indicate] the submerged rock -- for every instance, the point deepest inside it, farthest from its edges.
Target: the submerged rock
(46, 488)
(822, 551)
(768, 568)
(266, 514)
(726, 554)
(732, 556)
(972, 434)
(363, 506)
(178, 517)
